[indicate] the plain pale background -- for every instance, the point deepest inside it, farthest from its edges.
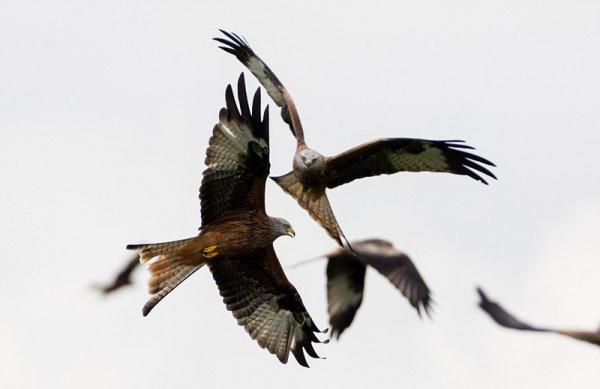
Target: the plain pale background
(105, 112)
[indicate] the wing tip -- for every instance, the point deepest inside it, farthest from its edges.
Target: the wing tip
(482, 295)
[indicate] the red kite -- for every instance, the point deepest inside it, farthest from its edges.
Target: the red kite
(236, 237)
(313, 173)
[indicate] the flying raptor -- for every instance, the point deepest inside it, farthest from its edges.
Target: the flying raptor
(346, 279)
(122, 279)
(313, 173)
(236, 237)
(505, 319)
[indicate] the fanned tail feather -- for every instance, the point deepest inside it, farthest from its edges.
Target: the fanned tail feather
(176, 261)
(151, 250)
(316, 204)
(161, 284)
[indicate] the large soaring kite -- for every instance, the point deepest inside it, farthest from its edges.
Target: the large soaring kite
(312, 172)
(236, 237)
(505, 319)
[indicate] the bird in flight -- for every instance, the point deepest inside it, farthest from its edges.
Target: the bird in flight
(346, 279)
(236, 237)
(505, 319)
(122, 279)
(313, 173)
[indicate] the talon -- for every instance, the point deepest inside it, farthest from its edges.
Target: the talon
(209, 249)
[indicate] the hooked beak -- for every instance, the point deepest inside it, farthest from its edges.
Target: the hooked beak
(290, 232)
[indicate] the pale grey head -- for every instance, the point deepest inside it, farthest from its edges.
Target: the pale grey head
(309, 159)
(281, 227)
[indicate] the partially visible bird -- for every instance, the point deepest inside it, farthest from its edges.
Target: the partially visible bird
(236, 237)
(122, 279)
(346, 271)
(505, 319)
(313, 173)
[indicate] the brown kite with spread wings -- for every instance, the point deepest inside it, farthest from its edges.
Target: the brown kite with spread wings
(313, 173)
(505, 319)
(346, 279)
(122, 279)
(236, 237)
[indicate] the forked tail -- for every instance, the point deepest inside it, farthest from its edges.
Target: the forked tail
(176, 261)
(317, 205)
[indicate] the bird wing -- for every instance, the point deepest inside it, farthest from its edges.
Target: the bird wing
(502, 317)
(255, 289)
(239, 47)
(237, 158)
(398, 268)
(584, 336)
(345, 285)
(389, 156)
(122, 278)
(505, 319)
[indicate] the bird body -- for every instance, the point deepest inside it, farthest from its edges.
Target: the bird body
(309, 168)
(231, 235)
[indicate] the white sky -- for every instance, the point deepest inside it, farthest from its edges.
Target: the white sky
(105, 112)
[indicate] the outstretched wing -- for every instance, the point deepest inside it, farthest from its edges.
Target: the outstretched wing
(122, 279)
(505, 319)
(266, 304)
(502, 317)
(584, 336)
(389, 156)
(398, 269)
(237, 158)
(345, 285)
(240, 48)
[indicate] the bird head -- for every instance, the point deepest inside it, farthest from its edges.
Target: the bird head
(283, 227)
(309, 158)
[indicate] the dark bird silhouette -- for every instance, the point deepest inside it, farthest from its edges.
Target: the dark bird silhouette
(505, 319)
(346, 271)
(122, 279)
(236, 237)
(313, 173)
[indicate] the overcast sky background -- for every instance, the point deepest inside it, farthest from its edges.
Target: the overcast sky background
(105, 112)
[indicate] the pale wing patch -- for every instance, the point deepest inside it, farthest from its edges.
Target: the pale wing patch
(230, 141)
(258, 68)
(377, 249)
(431, 159)
(341, 295)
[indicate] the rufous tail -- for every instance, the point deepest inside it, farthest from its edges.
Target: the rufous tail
(316, 203)
(175, 261)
